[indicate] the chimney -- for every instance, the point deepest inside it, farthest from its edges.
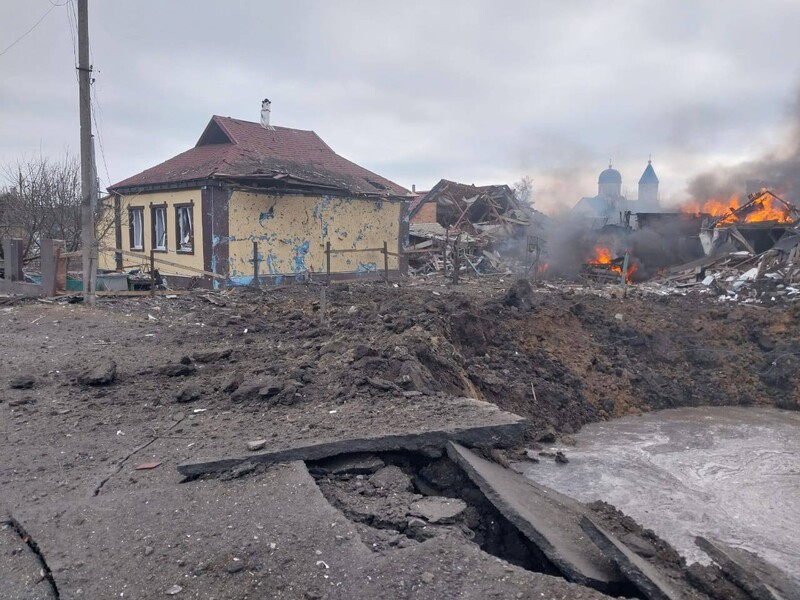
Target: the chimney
(265, 114)
(414, 188)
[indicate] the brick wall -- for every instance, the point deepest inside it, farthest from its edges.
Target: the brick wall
(426, 213)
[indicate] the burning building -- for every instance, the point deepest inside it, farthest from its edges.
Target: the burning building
(755, 226)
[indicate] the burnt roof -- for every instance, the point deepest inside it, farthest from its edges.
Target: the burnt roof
(246, 152)
(459, 192)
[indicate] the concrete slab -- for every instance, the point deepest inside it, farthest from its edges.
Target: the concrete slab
(496, 429)
(438, 509)
(139, 541)
(267, 535)
(640, 572)
(760, 579)
(548, 519)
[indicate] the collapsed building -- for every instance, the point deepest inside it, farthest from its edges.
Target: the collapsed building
(750, 250)
(478, 229)
(756, 226)
(605, 228)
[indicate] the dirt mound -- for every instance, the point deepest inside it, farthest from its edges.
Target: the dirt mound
(577, 357)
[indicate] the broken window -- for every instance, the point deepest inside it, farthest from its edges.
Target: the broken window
(136, 225)
(159, 228)
(184, 227)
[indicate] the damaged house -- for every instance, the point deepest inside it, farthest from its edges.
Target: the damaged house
(755, 226)
(486, 225)
(201, 211)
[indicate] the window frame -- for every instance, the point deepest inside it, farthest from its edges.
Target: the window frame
(178, 207)
(154, 208)
(140, 211)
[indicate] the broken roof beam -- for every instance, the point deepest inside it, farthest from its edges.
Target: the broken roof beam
(737, 235)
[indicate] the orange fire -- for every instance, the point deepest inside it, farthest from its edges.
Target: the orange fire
(602, 256)
(766, 207)
(713, 207)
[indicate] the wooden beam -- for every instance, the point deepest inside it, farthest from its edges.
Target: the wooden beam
(145, 293)
(166, 262)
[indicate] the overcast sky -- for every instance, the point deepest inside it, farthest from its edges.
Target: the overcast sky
(474, 91)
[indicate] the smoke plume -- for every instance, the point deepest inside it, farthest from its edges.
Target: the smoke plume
(778, 170)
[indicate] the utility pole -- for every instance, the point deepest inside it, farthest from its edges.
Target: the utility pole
(88, 180)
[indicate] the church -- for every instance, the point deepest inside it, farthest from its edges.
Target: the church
(610, 205)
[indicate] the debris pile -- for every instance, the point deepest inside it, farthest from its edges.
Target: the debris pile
(752, 254)
(773, 275)
(475, 229)
(601, 267)
(755, 226)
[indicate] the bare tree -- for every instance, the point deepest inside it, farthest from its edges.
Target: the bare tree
(41, 199)
(523, 190)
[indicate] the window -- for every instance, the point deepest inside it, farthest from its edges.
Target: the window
(136, 226)
(159, 214)
(184, 227)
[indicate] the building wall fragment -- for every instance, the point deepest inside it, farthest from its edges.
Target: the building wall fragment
(170, 199)
(292, 231)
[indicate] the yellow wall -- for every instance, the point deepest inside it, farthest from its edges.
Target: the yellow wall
(291, 232)
(145, 200)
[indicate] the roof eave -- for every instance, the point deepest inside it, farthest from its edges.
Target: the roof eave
(291, 183)
(141, 188)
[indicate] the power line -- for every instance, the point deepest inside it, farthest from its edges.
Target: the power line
(35, 25)
(72, 19)
(99, 136)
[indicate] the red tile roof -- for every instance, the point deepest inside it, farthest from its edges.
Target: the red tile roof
(232, 148)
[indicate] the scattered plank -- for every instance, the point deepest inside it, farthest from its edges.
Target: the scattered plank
(143, 293)
(147, 465)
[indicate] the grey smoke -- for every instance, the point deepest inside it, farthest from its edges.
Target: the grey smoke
(778, 169)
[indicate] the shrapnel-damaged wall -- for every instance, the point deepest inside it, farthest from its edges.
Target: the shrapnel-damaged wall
(291, 232)
(146, 201)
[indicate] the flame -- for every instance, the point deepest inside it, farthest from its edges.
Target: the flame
(765, 208)
(713, 206)
(602, 256)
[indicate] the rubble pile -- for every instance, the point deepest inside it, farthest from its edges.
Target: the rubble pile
(473, 229)
(752, 253)
(772, 276)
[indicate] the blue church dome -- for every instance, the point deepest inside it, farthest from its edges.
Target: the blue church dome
(610, 176)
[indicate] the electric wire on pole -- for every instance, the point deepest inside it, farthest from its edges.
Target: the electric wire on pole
(88, 177)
